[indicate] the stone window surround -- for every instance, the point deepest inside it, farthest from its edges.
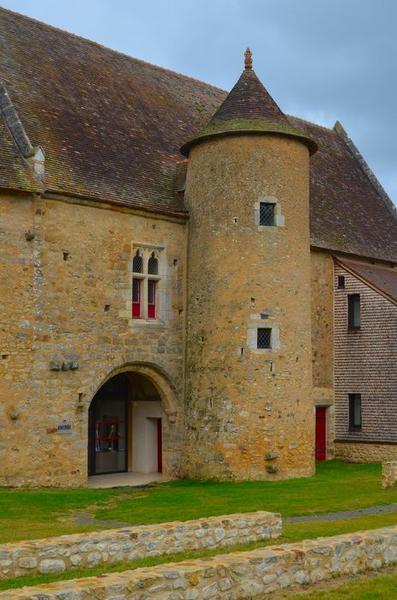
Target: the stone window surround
(257, 322)
(279, 219)
(146, 250)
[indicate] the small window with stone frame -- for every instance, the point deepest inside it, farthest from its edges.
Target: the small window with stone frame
(264, 338)
(266, 214)
(146, 279)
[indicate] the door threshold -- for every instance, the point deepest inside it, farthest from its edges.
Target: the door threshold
(124, 480)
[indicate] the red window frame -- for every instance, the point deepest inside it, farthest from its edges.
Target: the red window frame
(151, 299)
(136, 297)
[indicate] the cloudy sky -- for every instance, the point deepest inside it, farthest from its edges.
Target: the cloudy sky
(320, 59)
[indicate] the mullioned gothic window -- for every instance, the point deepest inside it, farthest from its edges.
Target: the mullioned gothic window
(145, 283)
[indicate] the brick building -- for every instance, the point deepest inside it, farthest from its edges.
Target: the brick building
(193, 282)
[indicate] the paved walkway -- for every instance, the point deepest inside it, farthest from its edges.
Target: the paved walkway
(344, 514)
(124, 480)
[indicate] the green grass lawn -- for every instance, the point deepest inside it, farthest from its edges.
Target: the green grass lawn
(29, 514)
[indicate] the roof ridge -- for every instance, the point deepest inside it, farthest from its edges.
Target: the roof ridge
(108, 49)
(342, 133)
(328, 129)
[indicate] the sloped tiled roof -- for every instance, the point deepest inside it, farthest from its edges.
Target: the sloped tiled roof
(379, 277)
(248, 99)
(111, 127)
(348, 213)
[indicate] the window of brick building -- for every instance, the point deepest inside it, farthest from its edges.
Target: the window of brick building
(354, 412)
(264, 337)
(341, 282)
(354, 310)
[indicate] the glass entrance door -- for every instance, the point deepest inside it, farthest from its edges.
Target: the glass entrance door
(108, 429)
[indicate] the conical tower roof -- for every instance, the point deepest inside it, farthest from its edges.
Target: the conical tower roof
(248, 108)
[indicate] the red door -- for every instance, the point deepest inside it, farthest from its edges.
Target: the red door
(321, 432)
(159, 446)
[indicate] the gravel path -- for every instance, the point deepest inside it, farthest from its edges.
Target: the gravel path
(87, 519)
(344, 514)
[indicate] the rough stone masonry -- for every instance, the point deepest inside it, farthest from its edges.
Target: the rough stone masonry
(54, 555)
(234, 576)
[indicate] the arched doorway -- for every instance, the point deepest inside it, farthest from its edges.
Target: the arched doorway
(125, 430)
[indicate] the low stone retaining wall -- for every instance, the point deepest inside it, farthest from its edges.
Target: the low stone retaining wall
(233, 576)
(365, 453)
(389, 473)
(58, 554)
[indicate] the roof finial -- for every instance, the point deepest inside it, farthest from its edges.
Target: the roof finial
(248, 59)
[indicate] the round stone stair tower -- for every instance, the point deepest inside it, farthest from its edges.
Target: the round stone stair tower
(249, 410)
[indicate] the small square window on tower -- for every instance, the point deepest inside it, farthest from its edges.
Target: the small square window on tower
(264, 337)
(266, 214)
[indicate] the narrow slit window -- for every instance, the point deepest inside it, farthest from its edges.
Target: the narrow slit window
(266, 214)
(355, 420)
(341, 282)
(137, 263)
(354, 311)
(153, 265)
(264, 337)
(136, 298)
(152, 293)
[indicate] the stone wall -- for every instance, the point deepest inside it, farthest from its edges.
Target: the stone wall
(249, 411)
(17, 214)
(84, 550)
(322, 289)
(364, 453)
(235, 576)
(389, 473)
(68, 291)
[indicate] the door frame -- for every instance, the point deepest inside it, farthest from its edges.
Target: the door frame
(92, 438)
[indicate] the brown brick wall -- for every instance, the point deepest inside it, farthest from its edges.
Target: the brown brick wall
(366, 363)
